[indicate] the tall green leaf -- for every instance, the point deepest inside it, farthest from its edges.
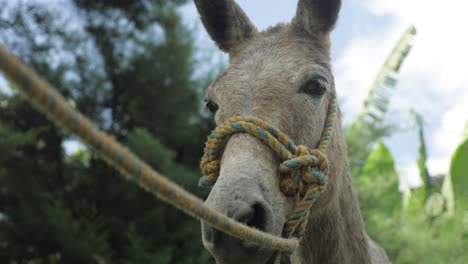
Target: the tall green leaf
(447, 193)
(422, 158)
(378, 184)
(459, 173)
(369, 126)
(420, 196)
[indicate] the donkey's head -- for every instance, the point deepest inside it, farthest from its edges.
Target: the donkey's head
(282, 76)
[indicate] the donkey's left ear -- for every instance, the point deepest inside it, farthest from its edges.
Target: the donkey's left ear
(226, 23)
(317, 16)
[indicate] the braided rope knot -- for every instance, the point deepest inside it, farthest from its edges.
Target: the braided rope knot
(307, 169)
(305, 175)
(303, 172)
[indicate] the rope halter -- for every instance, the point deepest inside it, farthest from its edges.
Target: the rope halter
(303, 171)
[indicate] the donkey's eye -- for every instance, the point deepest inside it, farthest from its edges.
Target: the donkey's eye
(315, 87)
(212, 107)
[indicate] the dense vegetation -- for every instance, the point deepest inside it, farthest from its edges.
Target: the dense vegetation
(131, 67)
(423, 225)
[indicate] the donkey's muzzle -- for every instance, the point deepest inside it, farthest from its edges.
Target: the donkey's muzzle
(226, 249)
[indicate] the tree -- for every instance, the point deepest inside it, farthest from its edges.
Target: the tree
(130, 67)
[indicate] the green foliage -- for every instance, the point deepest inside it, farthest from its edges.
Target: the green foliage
(79, 239)
(10, 139)
(459, 174)
(422, 242)
(447, 193)
(130, 67)
(412, 237)
(431, 228)
(406, 239)
(140, 251)
(150, 149)
(422, 157)
(379, 171)
(81, 157)
(421, 199)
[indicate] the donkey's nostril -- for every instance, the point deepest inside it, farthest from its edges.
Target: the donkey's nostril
(242, 212)
(259, 218)
(254, 215)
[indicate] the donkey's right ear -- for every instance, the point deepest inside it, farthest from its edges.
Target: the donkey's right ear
(226, 23)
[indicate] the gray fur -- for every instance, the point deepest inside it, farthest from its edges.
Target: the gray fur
(265, 73)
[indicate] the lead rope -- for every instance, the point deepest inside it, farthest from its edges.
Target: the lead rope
(303, 172)
(51, 103)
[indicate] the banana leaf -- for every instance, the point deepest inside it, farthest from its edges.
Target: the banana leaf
(370, 125)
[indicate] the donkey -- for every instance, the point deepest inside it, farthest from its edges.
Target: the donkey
(283, 76)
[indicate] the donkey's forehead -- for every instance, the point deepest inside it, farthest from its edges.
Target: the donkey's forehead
(265, 75)
(279, 55)
(284, 44)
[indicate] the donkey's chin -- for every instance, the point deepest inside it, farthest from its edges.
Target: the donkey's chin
(237, 251)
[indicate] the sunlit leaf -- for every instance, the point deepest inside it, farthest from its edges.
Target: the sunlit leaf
(459, 173)
(369, 126)
(378, 183)
(447, 193)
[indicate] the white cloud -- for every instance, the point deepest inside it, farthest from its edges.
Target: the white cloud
(407, 176)
(359, 64)
(447, 136)
(433, 79)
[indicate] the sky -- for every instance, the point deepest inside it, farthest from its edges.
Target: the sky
(432, 79)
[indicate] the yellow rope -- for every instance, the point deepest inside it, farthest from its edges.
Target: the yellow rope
(303, 171)
(47, 100)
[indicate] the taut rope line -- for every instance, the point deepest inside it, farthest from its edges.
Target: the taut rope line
(47, 100)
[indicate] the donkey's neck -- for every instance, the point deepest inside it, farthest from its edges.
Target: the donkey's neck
(336, 234)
